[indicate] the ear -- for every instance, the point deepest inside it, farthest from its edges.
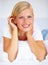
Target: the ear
(15, 21)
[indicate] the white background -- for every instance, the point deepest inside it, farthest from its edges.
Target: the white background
(40, 7)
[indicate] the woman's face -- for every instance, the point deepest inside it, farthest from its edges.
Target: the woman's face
(25, 20)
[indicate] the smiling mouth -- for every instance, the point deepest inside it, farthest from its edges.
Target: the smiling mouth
(26, 25)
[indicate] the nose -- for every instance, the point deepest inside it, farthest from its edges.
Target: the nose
(25, 20)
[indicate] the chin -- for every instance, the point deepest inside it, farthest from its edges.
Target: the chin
(25, 30)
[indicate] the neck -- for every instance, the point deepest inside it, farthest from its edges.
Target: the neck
(22, 35)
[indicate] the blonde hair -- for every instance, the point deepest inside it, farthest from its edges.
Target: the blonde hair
(19, 7)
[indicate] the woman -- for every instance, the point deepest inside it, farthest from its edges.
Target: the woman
(22, 29)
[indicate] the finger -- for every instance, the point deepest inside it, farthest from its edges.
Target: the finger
(11, 23)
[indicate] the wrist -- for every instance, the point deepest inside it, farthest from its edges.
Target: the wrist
(28, 34)
(14, 33)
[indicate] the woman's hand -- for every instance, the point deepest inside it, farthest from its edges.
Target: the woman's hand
(11, 23)
(36, 46)
(29, 33)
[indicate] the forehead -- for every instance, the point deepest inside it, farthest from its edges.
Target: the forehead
(28, 11)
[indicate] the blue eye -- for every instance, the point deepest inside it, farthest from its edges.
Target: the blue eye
(21, 17)
(29, 16)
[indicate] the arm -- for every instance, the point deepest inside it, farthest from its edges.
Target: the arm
(37, 48)
(10, 45)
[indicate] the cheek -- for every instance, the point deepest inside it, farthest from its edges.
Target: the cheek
(32, 20)
(19, 23)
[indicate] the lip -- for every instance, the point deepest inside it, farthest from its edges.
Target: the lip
(26, 25)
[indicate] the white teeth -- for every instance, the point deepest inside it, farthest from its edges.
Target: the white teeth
(26, 25)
